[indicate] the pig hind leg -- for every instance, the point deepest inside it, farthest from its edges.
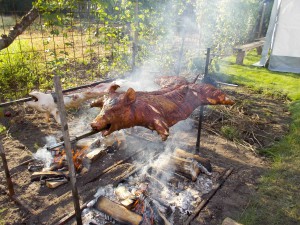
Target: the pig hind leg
(162, 129)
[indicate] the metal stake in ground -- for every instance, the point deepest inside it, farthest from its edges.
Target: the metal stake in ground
(7, 174)
(65, 131)
(202, 107)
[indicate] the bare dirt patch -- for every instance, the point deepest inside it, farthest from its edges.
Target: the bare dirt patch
(253, 123)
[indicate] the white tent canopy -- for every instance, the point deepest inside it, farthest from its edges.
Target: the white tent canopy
(283, 37)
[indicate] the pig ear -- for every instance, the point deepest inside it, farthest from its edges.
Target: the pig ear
(130, 96)
(113, 88)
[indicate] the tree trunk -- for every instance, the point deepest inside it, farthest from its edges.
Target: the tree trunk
(19, 28)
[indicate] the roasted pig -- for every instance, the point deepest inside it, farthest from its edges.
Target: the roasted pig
(156, 110)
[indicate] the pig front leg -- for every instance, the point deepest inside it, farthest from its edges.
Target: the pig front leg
(162, 128)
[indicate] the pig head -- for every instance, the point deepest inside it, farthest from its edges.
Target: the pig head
(44, 103)
(157, 110)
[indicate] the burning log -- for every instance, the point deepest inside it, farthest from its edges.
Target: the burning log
(117, 211)
(127, 203)
(36, 176)
(202, 161)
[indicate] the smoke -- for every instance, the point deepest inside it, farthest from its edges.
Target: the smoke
(81, 123)
(181, 31)
(43, 154)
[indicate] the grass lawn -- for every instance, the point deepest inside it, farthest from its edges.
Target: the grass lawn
(277, 200)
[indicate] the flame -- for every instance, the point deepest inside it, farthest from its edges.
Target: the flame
(77, 157)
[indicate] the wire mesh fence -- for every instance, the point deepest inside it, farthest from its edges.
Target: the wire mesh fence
(83, 43)
(74, 49)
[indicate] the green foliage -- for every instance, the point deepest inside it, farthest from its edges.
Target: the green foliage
(225, 23)
(230, 132)
(2, 128)
(114, 26)
(17, 70)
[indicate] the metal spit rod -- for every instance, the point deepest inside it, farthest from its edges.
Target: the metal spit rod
(64, 91)
(77, 138)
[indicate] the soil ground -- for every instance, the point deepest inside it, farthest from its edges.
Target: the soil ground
(231, 137)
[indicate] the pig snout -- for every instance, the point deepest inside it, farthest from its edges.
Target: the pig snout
(96, 125)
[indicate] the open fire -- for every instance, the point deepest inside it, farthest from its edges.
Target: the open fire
(156, 194)
(150, 199)
(168, 187)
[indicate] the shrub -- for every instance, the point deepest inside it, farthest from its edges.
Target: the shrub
(19, 70)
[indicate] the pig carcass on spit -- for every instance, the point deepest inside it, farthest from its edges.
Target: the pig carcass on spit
(46, 102)
(156, 110)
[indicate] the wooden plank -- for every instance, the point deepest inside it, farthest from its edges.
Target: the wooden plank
(68, 217)
(115, 165)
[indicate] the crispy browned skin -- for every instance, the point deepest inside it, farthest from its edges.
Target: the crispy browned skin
(156, 110)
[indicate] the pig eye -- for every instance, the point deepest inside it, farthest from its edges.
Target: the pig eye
(112, 101)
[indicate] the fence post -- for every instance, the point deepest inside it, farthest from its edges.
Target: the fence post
(67, 144)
